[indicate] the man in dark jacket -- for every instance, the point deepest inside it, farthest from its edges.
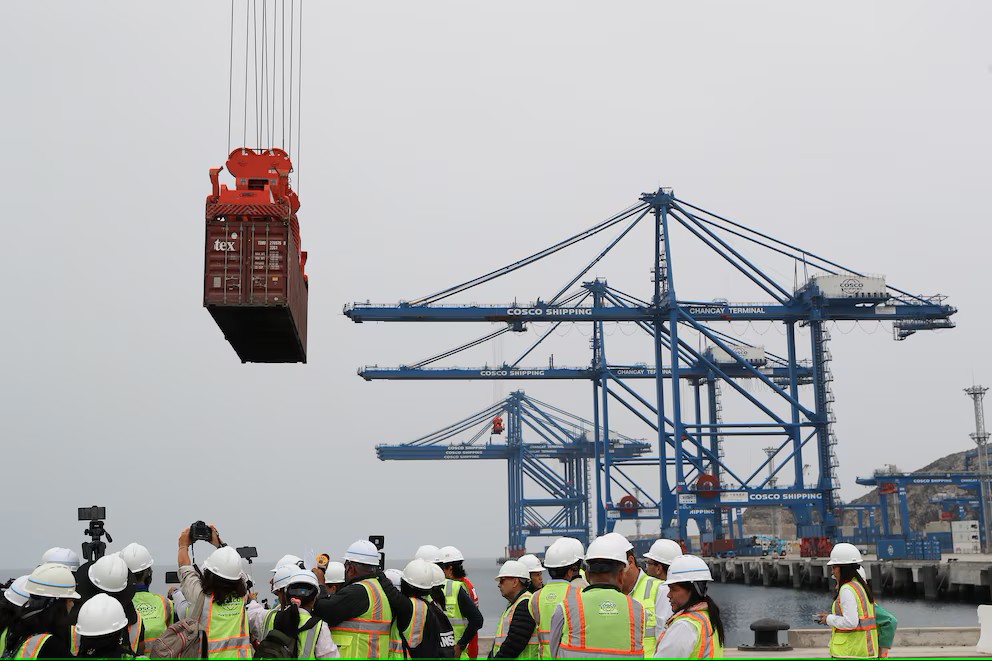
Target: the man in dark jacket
(516, 631)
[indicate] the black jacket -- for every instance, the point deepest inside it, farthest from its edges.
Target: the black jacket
(522, 627)
(351, 600)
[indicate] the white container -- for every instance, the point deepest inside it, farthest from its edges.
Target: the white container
(964, 525)
(753, 355)
(965, 537)
(845, 285)
(974, 547)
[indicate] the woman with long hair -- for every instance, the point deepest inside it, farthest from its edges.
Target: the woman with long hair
(854, 634)
(695, 629)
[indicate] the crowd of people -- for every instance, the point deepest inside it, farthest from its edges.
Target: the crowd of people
(599, 602)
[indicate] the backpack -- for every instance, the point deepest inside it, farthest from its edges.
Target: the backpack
(182, 640)
(277, 645)
(439, 637)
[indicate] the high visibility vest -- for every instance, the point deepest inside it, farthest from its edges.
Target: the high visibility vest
(451, 608)
(861, 641)
(225, 627)
(366, 636)
(414, 632)
(32, 646)
(542, 607)
(646, 591)
(708, 644)
(155, 612)
(3, 640)
(133, 634)
(306, 641)
(503, 628)
(601, 623)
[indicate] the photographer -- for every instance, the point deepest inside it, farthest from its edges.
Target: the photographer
(223, 591)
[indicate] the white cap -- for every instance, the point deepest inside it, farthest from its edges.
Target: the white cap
(439, 577)
(334, 573)
(100, 615)
(449, 554)
(288, 560)
(225, 563)
(109, 573)
(513, 569)
(63, 556)
(52, 579)
(428, 552)
(394, 576)
(419, 573)
(608, 547)
(688, 569)
(564, 552)
(664, 551)
(844, 554)
(291, 575)
(363, 552)
(136, 557)
(531, 562)
(17, 593)
(620, 540)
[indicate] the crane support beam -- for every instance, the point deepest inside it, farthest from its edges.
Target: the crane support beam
(506, 372)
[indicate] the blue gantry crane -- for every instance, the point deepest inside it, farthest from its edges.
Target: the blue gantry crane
(546, 449)
(693, 477)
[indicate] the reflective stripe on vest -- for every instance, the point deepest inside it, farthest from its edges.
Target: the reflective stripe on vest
(226, 629)
(366, 637)
(154, 611)
(851, 643)
(306, 641)
(503, 629)
(414, 632)
(708, 644)
(31, 646)
(646, 591)
(602, 623)
(134, 634)
(451, 608)
(542, 607)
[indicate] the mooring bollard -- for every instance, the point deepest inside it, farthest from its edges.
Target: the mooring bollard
(766, 636)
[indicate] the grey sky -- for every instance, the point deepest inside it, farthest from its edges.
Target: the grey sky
(440, 140)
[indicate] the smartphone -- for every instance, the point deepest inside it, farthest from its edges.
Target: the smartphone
(92, 513)
(172, 577)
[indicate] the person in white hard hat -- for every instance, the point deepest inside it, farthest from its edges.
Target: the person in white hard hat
(102, 627)
(854, 633)
(516, 632)
(428, 553)
(333, 577)
(563, 560)
(297, 590)
(42, 627)
(420, 630)
(62, 556)
(654, 594)
(360, 612)
(885, 622)
(220, 597)
(695, 630)
(632, 571)
(109, 575)
(460, 603)
(14, 597)
(154, 609)
(535, 568)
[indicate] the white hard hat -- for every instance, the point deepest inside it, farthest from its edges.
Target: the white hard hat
(608, 547)
(449, 554)
(288, 560)
(363, 552)
(564, 552)
(136, 557)
(100, 615)
(291, 575)
(63, 556)
(17, 593)
(513, 569)
(109, 573)
(225, 563)
(439, 577)
(664, 551)
(623, 541)
(394, 576)
(52, 580)
(334, 573)
(531, 562)
(688, 569)
(428, 552)
(844, 554)
(419, 573)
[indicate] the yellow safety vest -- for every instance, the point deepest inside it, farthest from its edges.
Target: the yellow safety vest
(367, 636)
(32, 646)
(306, 641)
(155, 612)
(542, 607)
(225, 627)
(708, 644)
(646, 591)
(414, 632)
(601, 623)
(861, 641)
(503, 628)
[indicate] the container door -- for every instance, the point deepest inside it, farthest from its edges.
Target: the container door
(267, 264)
(223, 283)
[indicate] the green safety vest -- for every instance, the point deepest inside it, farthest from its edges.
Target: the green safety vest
(366, 636)
(225, 627)
(861, 641)
(601, 623)
(306, 641)
(530, 652)
(3, 640)
(646, 591)
(31, 646)
(542, 607)
(155, 612)
(414, 632)
(451, 608)
(708, 644)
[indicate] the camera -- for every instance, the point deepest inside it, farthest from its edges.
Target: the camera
(95, 548)
(92, 513)
(172, 577)
(200, 532)
(247, 552)
(380, 543)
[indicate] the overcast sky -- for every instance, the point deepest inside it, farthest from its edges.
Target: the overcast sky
(441, 140)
